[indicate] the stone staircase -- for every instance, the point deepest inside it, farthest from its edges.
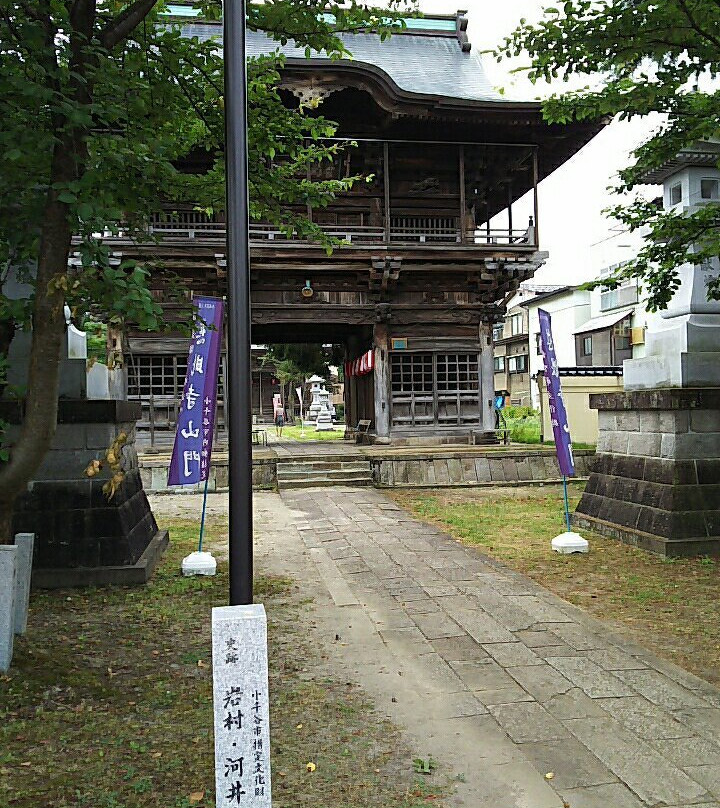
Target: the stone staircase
(309, 472)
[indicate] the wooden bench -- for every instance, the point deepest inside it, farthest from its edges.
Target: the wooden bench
(259, 437)
(362, 432)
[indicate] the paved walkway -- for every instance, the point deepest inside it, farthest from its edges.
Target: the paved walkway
(496, 678)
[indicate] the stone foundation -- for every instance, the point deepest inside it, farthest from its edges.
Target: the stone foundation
(431, 469)
(655, 479)
(81, 537)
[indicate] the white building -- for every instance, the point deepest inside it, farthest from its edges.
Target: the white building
(569, 309)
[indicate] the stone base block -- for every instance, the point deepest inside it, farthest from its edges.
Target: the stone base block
(655, 480)
(82, 536)
(670, 548)
(120, 575)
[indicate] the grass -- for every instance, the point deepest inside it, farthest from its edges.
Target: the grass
(108, 704)
(525, 429)
(671, 605)
(308, 433)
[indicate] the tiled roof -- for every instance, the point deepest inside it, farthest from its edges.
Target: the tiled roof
(416, 63)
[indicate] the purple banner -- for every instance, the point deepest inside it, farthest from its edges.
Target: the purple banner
(194, 436)
(558, 414)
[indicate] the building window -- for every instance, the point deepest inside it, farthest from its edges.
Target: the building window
(499, 364)
(516, 326)
(160, 376)
(498, 332)
(435, 389)
(709, 189)
(587, 346)
(621, 341)
(517, 364)
(676, 194)
(538, 345)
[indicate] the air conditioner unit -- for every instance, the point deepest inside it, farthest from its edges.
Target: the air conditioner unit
(637, 336)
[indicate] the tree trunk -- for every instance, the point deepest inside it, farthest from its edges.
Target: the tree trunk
(48, 330)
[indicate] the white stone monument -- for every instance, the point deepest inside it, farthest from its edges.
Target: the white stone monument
(8, 567)
(682, 343)
(324, 421)
(241, 707)
(655, 472)
(316, 383)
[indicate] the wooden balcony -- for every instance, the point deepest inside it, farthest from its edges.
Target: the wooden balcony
(419, 195)
(422, 231)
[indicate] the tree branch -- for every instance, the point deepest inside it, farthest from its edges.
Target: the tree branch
(82, 17)
(694, 25)
(125, 23)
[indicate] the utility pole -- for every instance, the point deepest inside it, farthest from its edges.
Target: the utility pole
(238, 305)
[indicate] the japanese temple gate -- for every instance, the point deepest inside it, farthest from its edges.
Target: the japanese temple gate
(444, 230)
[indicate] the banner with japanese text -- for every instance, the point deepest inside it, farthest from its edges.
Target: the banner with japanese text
(558, 413)
(190, 461)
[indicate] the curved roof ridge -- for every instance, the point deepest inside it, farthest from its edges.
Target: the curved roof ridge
(419, 64)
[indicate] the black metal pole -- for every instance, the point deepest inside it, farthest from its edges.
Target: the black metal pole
(238, 304)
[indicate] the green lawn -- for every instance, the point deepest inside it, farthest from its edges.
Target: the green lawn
(293, 432)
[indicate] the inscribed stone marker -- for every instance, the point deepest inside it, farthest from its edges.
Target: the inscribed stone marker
(241, 707)
(25, 543)
(8, 566)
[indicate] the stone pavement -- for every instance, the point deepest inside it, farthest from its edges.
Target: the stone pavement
(499, 680)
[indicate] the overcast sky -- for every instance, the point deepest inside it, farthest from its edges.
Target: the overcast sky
(573, 230)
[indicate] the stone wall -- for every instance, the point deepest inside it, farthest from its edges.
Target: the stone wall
(437, 470)
(154, 474)
(457, 469)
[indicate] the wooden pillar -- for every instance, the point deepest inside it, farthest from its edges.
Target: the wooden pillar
(509, 210)
(386, 189)
(463, 212)
(535, 196)
(350, 415)
(382, 383)
(114, 344)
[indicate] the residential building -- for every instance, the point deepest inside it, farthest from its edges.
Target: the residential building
(511, 355)
(569, 309)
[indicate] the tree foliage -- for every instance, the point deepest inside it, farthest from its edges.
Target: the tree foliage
(298, 361)
(99, 101)
(643, 56)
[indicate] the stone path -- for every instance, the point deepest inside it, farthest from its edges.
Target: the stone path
(498, 679)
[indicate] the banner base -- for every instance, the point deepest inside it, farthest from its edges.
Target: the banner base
(570, 543)
(199, 563)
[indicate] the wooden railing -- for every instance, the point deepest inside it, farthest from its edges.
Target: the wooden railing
(410, 230)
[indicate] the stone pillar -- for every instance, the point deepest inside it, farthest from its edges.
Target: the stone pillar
(24, 543)
(655, 480)
(8, 562)
(486, 433)
(381, 345)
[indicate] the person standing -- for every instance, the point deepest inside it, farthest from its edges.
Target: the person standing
(279, 422)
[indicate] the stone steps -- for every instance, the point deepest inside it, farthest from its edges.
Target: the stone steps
(323, 465)
(321, 473)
